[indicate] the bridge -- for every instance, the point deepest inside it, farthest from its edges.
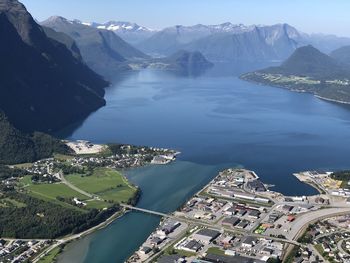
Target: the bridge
(147, 211)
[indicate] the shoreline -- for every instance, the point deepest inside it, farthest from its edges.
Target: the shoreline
(294, 90)
(298, 176)
(332, 100)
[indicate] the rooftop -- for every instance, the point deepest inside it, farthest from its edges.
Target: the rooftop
(208, 232)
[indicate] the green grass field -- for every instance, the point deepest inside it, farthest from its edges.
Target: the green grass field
(51, 256)
(106, 183)
(216, 251)
(96, 204)
(51, 191)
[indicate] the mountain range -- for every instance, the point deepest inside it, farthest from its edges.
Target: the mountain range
(101, 49)
(310, 70)
(224, 42)
(230, 42)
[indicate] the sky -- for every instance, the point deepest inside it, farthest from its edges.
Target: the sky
(309, 16)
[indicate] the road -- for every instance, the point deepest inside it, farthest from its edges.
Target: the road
(339, 245)
(70, 185)
(310, 217)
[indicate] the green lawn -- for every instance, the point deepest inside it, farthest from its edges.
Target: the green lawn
(51, 256)
(106, 183)
(25, 181)
(96, 204)
(51, 191)
(216, 251)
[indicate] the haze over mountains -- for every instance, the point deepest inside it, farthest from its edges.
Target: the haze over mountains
(342, 55)
(223, 42)
(109, 55)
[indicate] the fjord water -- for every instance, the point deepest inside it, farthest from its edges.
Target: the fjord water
(216, 122)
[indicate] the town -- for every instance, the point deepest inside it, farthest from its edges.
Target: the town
(236, 218)
(21, 250)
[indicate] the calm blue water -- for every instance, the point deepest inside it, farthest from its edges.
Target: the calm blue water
(216, 122)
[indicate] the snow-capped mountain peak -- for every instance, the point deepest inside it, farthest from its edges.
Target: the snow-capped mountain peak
(120, 26)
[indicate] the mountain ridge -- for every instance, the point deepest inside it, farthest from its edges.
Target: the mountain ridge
(274, 42)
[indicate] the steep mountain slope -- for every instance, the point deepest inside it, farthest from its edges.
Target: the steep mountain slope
(342, 55)
(17, 147)
(43, 87)
(102, 50)
(130, 32)
(64, 39)
(308, 70)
